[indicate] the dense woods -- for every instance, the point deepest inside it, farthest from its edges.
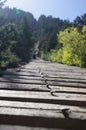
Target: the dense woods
(59, 40)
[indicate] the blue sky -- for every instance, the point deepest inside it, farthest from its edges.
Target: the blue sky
(64, 9)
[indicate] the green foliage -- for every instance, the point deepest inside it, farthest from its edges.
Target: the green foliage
(53, 56)
(15, 44)
(9, 59)
(45, 56)
(42, 55)
(25, 45)
(73, 50)
(16, 32)
(80, 21)
(19, 32)
(7, 36)
(48, 27)
(56, 55)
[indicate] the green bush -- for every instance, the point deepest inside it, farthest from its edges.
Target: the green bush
(56, 56)
(9, 59)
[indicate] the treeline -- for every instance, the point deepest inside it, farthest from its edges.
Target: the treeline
(16, 38)
(48, 27)
(15, 44)
(66, 42)
(20, 31)
(59, 40)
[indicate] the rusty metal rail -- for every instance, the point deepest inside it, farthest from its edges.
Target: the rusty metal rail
(44, 95)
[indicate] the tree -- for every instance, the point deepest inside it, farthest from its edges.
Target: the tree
(2, 2)
(78, 21)
(73, 46)
(7, 43)
(25, 43)
(48, 27)
(84, 19)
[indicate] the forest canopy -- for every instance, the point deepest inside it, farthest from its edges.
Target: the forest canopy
(59, 40)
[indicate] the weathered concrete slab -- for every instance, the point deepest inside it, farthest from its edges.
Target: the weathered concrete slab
(59, 98)
(25, 87)
(45, 106)
(14, 127)
(36, 118)
(25, 81)
(70, 84)
(44, 94)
